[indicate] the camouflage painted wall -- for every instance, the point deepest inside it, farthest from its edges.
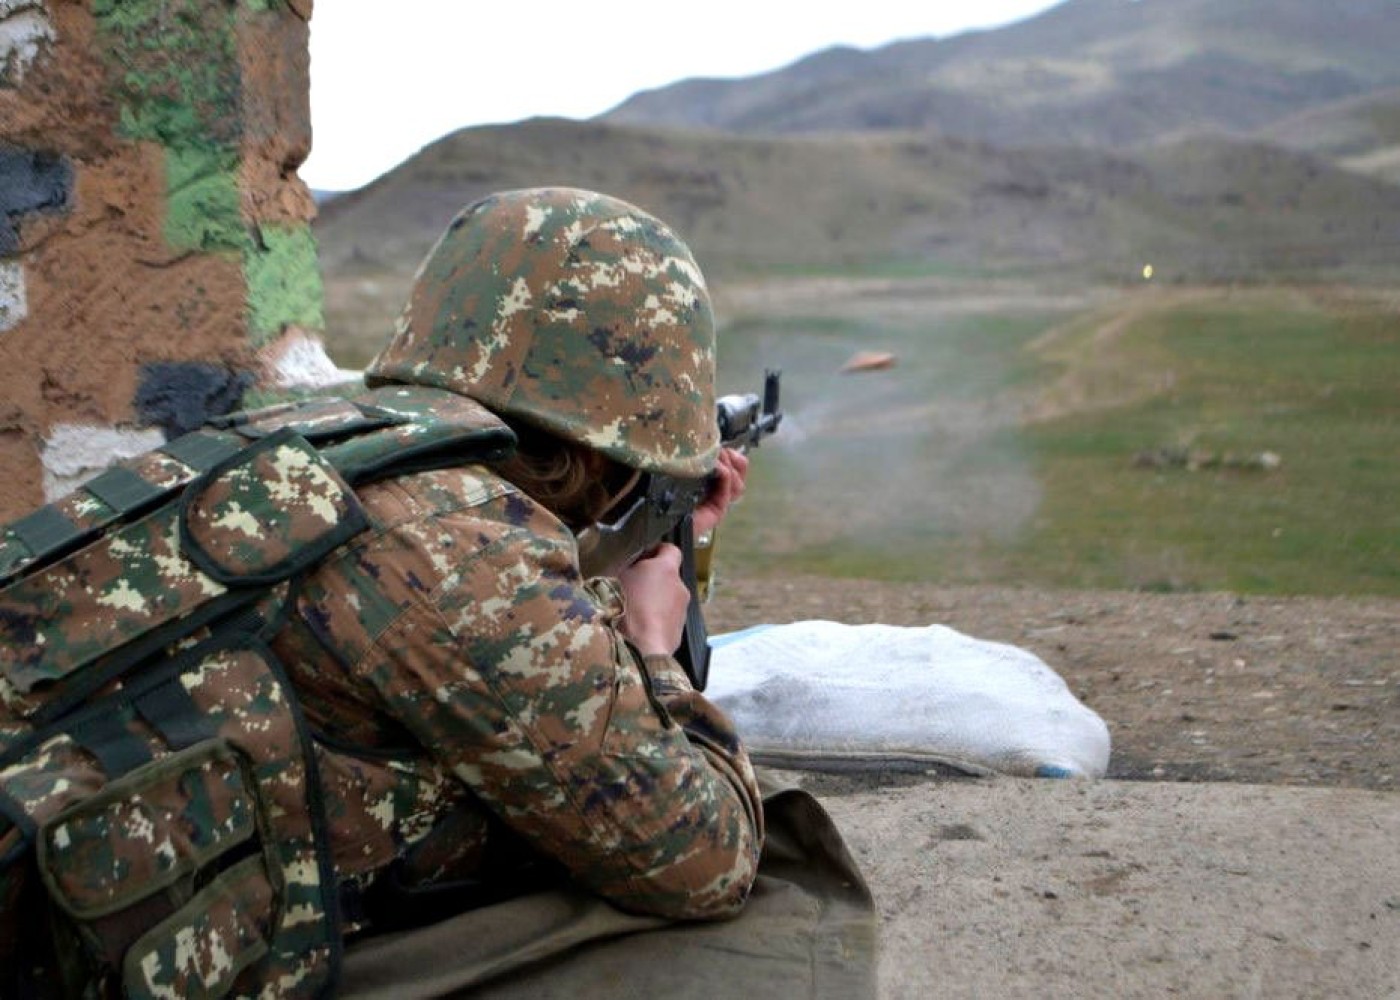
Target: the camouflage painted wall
(156, 257)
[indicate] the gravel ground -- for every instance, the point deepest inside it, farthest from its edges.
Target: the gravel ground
(1011, 888)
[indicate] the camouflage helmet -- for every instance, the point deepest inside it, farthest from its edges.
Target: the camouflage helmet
(575, 312)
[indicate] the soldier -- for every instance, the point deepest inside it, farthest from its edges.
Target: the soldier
(489, 717)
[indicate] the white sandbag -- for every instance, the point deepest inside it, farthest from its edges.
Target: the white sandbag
(825, 695)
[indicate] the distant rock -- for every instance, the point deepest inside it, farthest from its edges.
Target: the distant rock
(1195, 459)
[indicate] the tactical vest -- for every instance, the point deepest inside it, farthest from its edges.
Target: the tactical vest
(161, 825)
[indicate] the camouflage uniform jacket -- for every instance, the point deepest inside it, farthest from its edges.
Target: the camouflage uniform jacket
(470, 685)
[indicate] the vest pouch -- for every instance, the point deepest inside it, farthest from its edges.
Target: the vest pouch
(183, 831)
(200, 949)
(187, 855)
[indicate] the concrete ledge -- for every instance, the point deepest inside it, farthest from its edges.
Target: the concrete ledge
(1018, 888)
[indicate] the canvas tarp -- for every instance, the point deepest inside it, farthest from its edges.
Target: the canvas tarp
(808, 931)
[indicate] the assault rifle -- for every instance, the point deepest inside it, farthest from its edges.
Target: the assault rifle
(660, 509)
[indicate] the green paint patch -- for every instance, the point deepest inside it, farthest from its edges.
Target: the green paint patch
(175, 77)
(284, 282)
(174, 69)
(203, 208)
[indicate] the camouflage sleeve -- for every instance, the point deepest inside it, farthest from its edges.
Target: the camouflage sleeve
(511, 670)
(706, 726)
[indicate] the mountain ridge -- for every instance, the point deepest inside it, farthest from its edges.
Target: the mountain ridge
(873, 198)
(1101, 72)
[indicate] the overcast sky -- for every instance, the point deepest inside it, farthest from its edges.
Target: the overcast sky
(387, 79)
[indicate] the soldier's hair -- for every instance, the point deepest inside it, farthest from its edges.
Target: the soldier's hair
(571, 480)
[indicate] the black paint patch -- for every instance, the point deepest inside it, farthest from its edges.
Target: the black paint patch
(30, 182)
(179, 396)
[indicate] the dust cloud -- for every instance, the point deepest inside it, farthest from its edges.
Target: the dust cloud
(891, 463)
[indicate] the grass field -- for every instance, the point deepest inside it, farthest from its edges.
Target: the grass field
(1001, 448)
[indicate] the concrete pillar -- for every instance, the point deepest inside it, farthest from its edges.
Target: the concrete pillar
(156, 258)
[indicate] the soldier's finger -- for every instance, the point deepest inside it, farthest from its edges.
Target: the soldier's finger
(666, 555)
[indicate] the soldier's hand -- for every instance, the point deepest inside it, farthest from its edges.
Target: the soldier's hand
(728, 486)
(656, 600)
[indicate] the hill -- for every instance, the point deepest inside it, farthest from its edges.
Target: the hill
(1204, 209)
(1097, 72)
(1362, 134)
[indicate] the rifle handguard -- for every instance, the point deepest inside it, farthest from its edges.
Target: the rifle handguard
(694, 652)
